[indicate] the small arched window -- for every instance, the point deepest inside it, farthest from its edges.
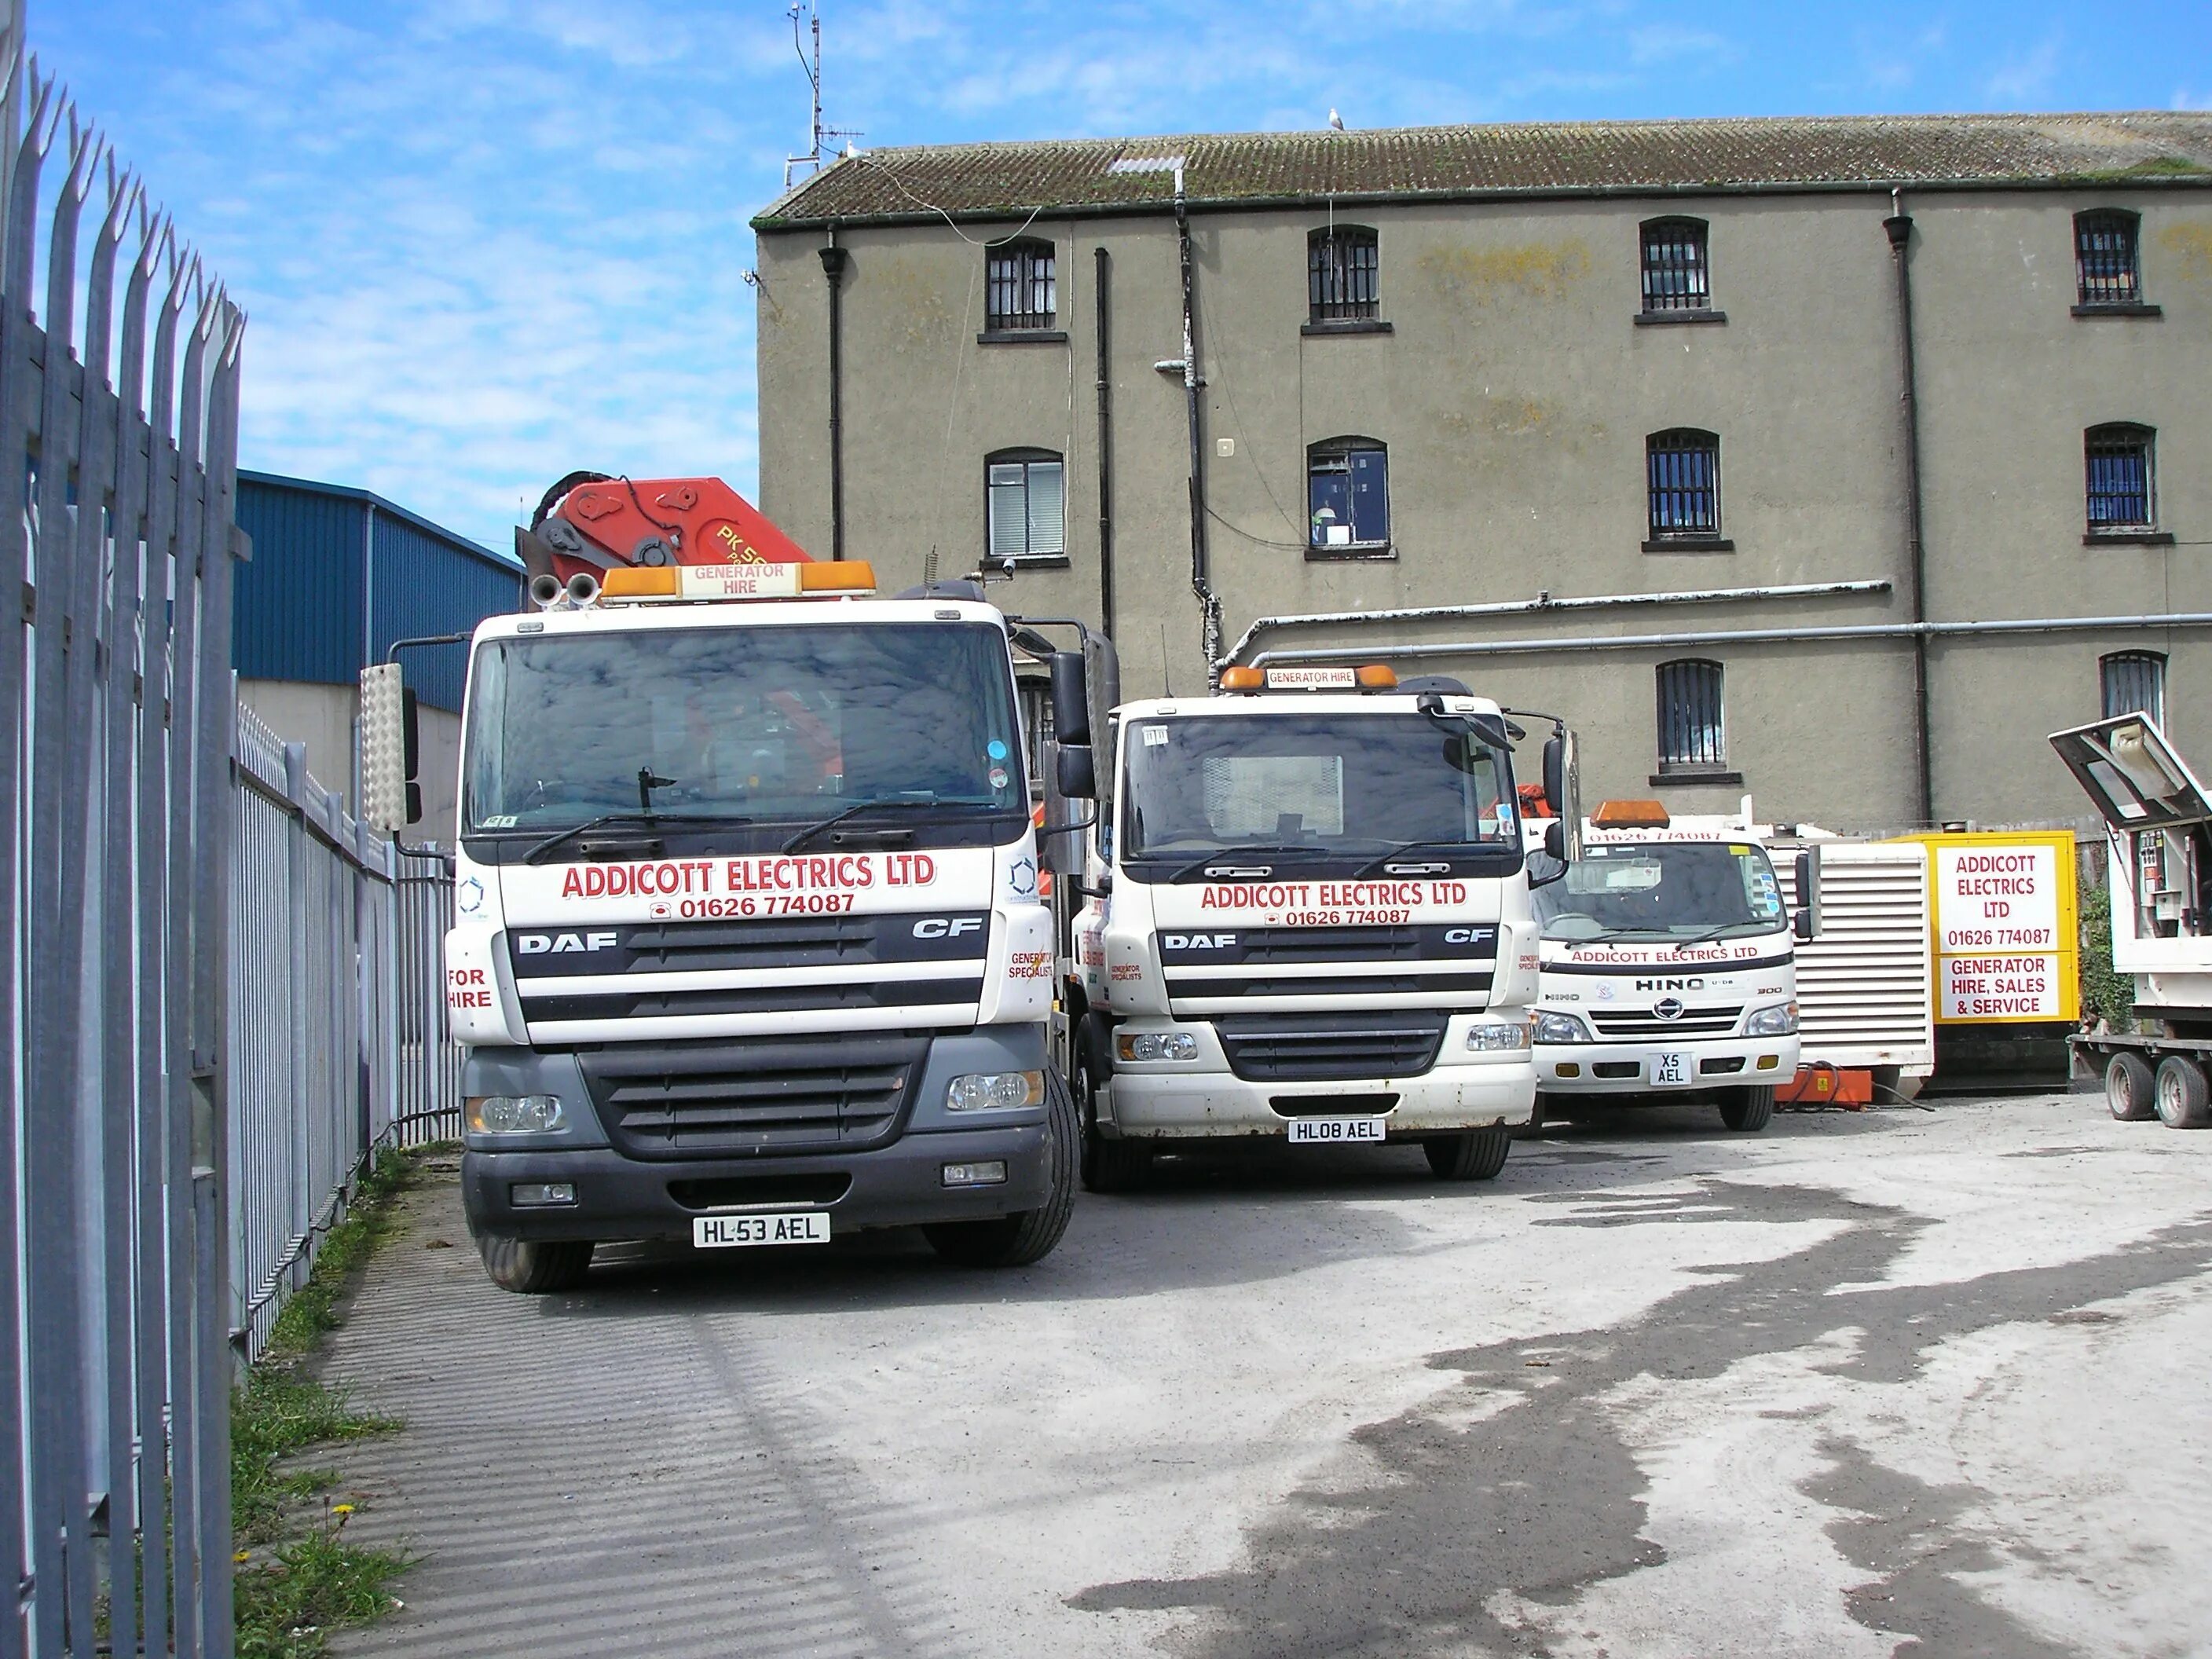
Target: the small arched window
(1348, 495)
(2104, 257)
(2121, 487)
(1692, 734)
(1675, 276)
(2132, 683)
(1018, 289)
(1682, 474)
(1025, 505)
(1343, 274)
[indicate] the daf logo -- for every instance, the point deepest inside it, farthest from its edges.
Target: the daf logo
(561, 944)
(1670, 985)
(1198, 941)
(1668, 1008)
(946, 927)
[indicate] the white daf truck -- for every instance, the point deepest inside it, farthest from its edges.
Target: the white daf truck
(747, 948)
(1308, 919)
(1668, 966)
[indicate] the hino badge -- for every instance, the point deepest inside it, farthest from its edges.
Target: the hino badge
(748, 948)
(1670, 968)
(1311, 922)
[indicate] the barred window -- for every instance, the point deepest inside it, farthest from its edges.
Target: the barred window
(1674, 274)
(1343, 268)
(2133, 683)
(2104, 257)
(1348, 494)
(1683, 468)
(1692, 734)
(1026, 491)
(1018, 285)
(2118, 460)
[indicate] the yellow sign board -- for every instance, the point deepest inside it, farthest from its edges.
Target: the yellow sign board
(2007, 931)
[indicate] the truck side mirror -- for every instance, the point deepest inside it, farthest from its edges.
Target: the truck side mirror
(390, 745)
(1077, 778)
(1555, 849)
(1806, 923)
(1555, 775)
(1071, 702)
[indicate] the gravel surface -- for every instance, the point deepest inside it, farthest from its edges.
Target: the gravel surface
(1922, 1380)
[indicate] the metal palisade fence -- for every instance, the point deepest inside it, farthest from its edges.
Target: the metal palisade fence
(219, 991)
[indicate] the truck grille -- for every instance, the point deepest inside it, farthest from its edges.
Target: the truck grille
(1642, 1022)
(1322, 1047)
(790, 1095)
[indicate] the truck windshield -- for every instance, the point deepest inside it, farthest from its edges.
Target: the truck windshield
(1310, 786)
(758, 730)
(1677, 890)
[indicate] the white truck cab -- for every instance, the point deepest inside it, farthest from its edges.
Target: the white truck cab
(1669, 965)
(1308, 920)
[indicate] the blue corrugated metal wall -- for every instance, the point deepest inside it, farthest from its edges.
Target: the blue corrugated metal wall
(303, 611)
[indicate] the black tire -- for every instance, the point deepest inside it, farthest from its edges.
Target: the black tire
(2131, 1087)
(1015, 1241)
(2185, 1100)
(531, 1267)
(1748, 1110)
(1109, 1166)
(1476, 1155)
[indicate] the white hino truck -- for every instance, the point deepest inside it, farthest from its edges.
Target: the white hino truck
(1308, 919)
(2159, 824)
(1668, 966)
(748, 947)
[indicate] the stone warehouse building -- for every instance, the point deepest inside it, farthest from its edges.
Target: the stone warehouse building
(1783, 456)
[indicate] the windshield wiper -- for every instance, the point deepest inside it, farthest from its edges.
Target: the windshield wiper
(1249, 850)
(1381, 860)
(884, 803)
(1709, 935)
(630, 821)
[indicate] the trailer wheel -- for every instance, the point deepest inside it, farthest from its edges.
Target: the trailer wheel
(2185, 1100)
(1747, 1109)
(1109, 1166)
(2131, 1087)
(1477, 1155)
(535, 1267)
(1015, 1241)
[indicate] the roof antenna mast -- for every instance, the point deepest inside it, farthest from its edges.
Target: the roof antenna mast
(808, 44)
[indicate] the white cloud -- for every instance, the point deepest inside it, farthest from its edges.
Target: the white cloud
(2026, 76)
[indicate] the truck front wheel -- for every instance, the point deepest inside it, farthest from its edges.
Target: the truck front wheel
(1015, 1241)
(531, 1267)
(1477, 1154)
(1747, 1109)
(1109, 1166)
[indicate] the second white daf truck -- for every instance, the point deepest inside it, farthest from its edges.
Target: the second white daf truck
(1669, 965)
(1309, 919)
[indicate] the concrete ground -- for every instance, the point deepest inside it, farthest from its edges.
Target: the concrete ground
(1919, 1381)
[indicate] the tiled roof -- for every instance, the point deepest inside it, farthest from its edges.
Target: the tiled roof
(1550, 157)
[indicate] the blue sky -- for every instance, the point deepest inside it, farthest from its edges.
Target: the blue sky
(484, 242)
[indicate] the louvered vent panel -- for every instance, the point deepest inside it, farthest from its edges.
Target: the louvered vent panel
(1864, 986)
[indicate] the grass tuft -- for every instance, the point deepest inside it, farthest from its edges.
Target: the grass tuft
(296, 1577)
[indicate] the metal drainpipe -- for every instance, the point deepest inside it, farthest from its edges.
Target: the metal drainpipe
(1739, 636)
(1201, 583)
(1899, 225)
(1105, 454)
(833, 261)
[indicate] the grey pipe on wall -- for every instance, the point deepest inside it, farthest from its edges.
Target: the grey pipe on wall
(834, 259)
(1105, 450)
(1898, 227)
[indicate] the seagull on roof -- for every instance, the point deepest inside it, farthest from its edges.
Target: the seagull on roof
(1335, 121)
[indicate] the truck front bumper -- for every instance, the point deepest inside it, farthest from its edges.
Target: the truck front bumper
(1203, 1097)
(1623, 1068)
(623, 1198)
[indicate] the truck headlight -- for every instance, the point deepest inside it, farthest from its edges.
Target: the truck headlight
(516, 1115)
(1156, 1045)
(1494, 1038)
(1561, 1028)
(1780, 1020)
(995, 1091)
